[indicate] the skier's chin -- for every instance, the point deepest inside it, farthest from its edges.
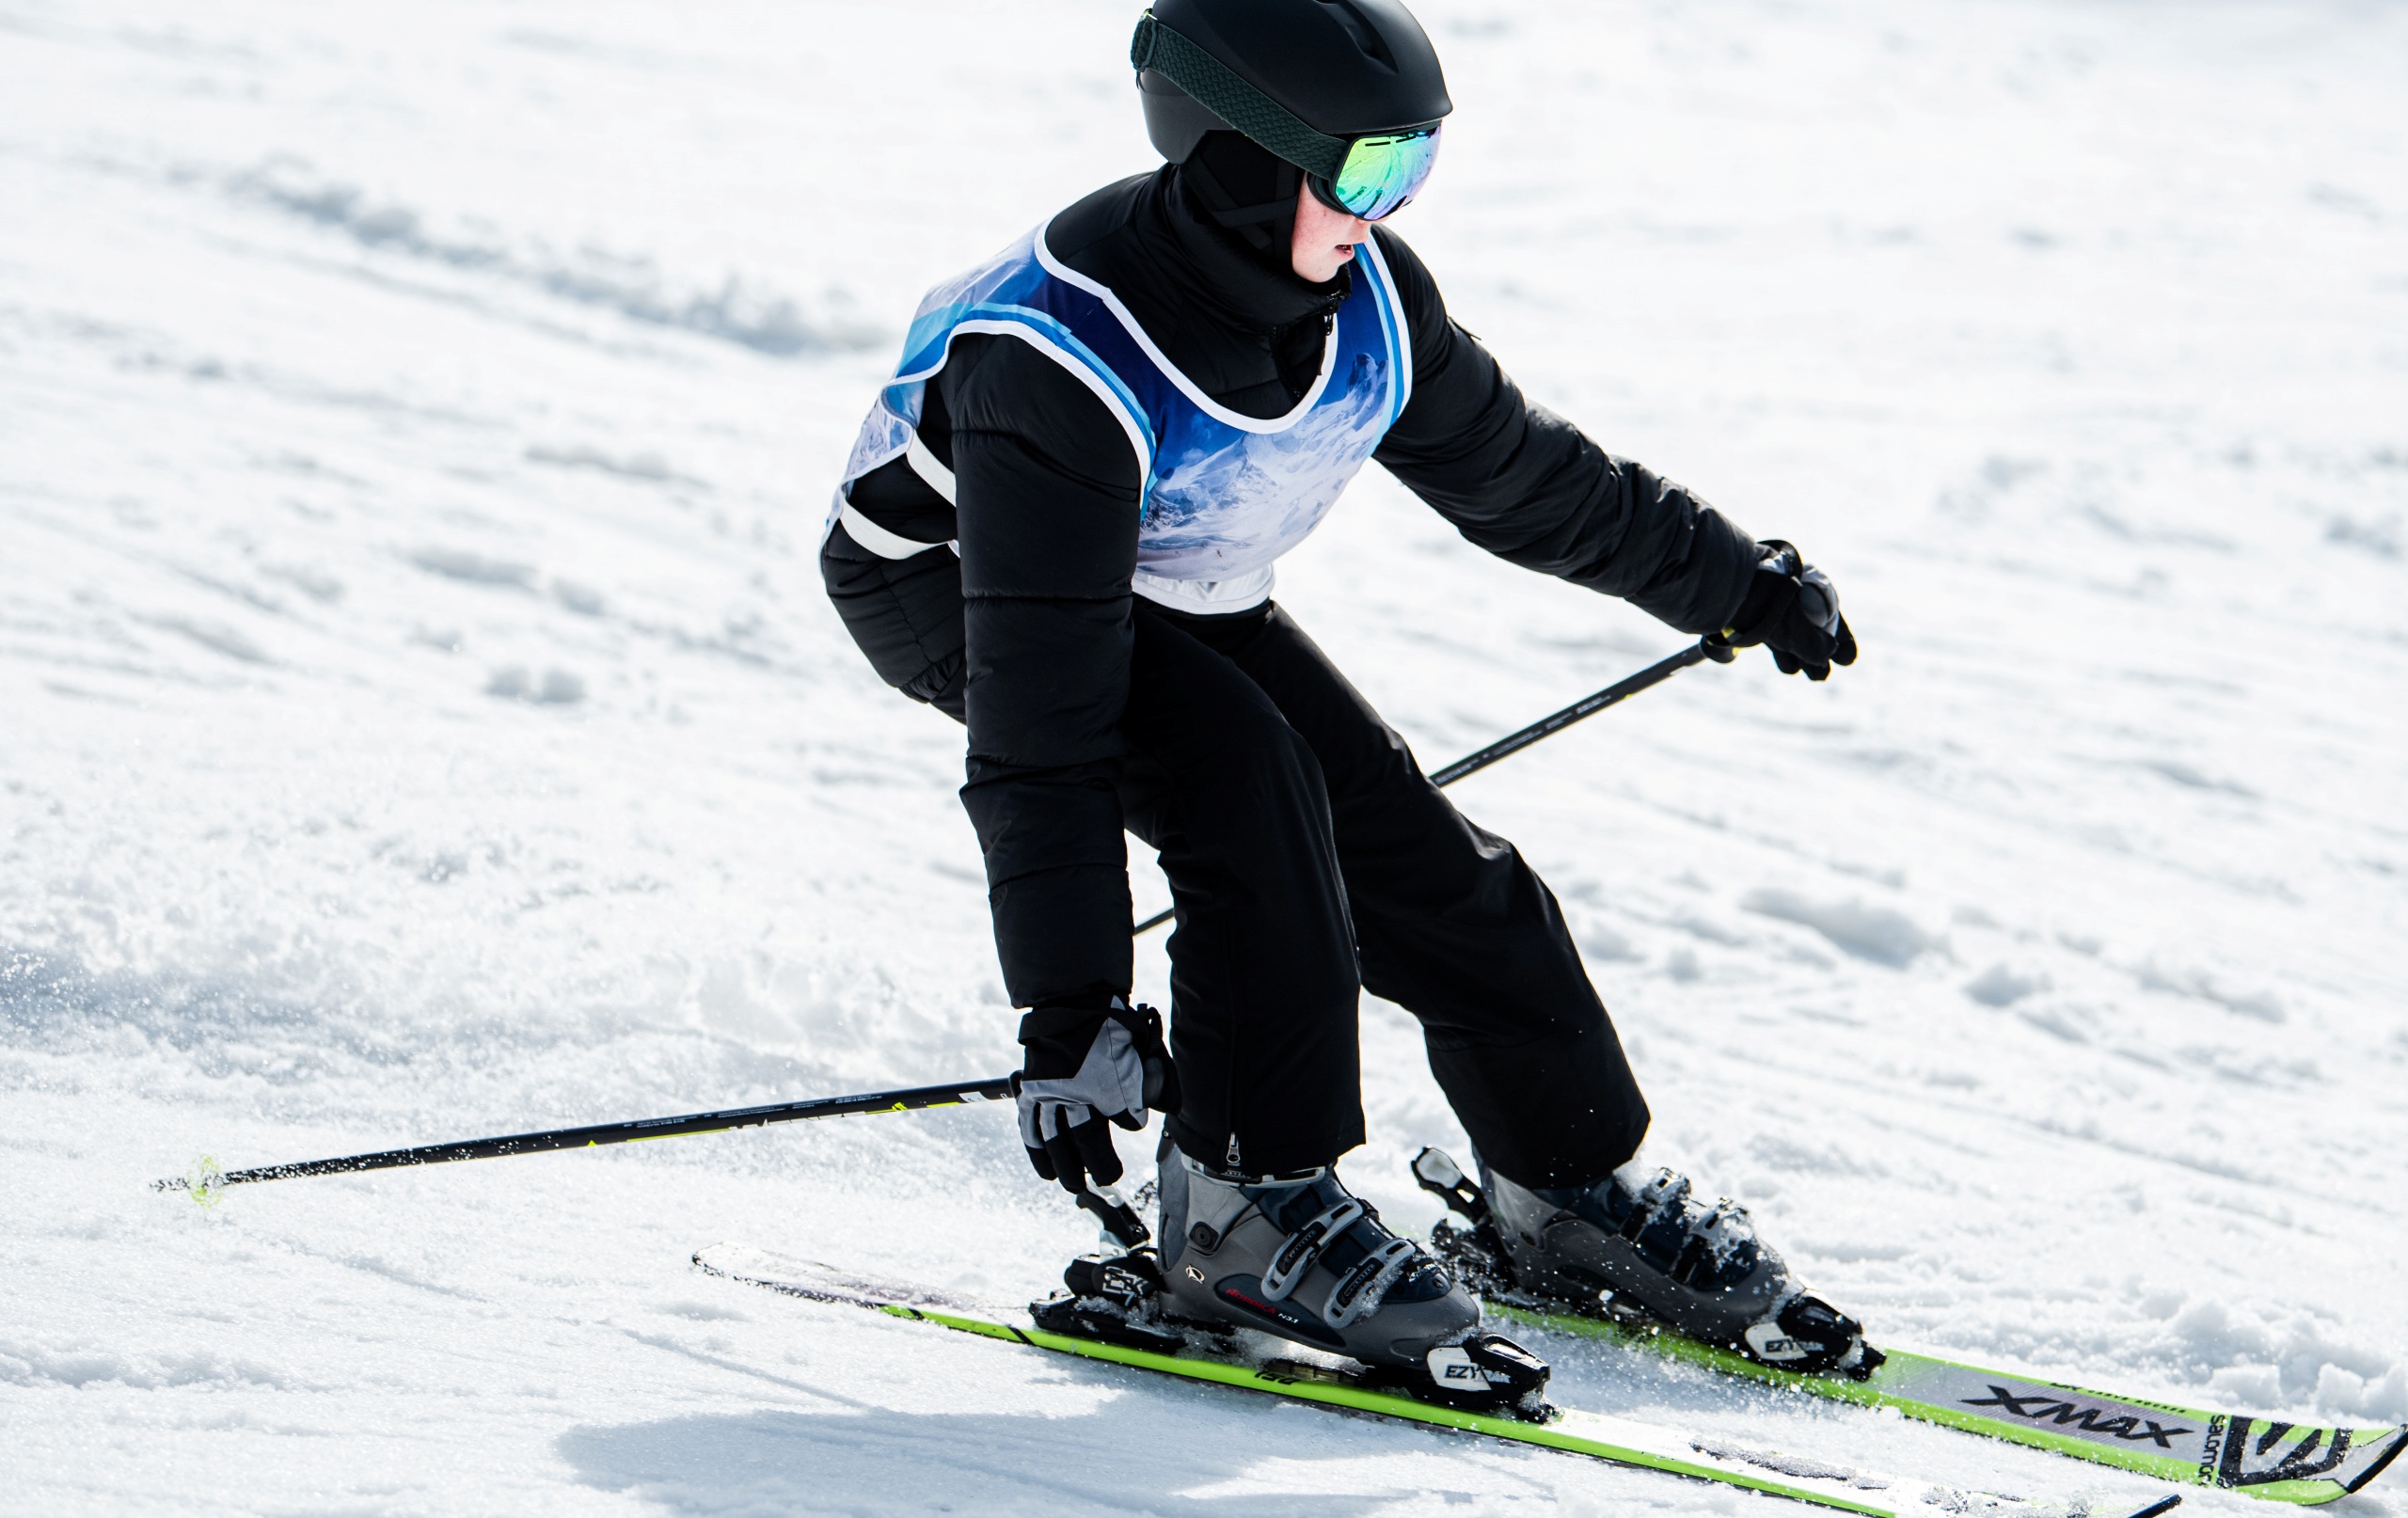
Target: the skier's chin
(1321, 271)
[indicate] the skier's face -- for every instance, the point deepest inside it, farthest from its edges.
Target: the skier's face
(1324, 239)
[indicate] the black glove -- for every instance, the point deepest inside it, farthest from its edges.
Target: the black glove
(1793, 610)
(1085, 1064)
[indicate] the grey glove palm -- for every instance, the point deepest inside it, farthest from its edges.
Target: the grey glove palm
(1085, 1066)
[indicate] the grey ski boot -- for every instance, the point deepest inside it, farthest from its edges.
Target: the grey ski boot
(1636, 1245)
(1299, 1256)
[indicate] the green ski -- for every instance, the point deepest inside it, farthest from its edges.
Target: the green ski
(1617, 1441)
(2259, 1457)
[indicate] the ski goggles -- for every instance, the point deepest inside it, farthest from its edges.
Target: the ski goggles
(1370, 175)
(1380, 173)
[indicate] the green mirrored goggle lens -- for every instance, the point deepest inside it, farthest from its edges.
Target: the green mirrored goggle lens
(1382, 173)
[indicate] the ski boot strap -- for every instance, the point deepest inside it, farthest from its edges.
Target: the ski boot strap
(1305, 1245)
(1366, 1285)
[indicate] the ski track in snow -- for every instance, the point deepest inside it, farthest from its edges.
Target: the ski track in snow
(421, 719)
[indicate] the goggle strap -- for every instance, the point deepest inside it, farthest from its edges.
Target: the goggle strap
(1219, 89)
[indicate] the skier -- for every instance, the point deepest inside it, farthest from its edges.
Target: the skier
(1059, 526)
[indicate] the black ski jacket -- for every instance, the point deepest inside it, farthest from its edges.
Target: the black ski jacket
(1026, 636)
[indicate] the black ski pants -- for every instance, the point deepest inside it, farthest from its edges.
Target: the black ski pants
(1308, 858)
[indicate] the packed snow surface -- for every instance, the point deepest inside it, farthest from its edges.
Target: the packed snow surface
(419, 718)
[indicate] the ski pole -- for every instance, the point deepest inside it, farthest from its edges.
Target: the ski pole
(205, 1184)
(1546, 727)
(208, 1179)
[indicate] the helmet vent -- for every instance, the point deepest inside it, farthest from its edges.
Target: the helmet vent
(1359, 28)
(1305, 79)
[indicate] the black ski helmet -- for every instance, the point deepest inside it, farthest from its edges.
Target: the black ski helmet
(1298, 77)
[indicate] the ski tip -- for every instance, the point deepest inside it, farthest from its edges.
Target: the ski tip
(726, 1259)
(2166, 1504)
(2393, 1445)
(718, 1257)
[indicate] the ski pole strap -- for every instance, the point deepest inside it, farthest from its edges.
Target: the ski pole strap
(915, 1099)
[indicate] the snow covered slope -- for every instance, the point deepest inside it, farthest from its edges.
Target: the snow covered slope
(419, 718)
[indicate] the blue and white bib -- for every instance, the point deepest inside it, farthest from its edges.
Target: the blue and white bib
(1225, 494)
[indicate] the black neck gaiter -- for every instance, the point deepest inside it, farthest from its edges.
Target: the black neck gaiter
(1203, 264)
